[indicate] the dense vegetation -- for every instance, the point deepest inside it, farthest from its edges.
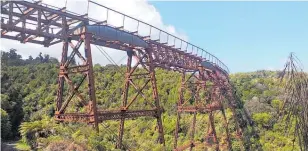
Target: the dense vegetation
(28, 90)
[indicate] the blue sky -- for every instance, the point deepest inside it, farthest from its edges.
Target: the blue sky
(247, 36)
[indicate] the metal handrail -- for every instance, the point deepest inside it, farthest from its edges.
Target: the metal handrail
(195, 50)
(213, 59)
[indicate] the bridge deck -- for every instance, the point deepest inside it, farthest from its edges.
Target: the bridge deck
(47, 25)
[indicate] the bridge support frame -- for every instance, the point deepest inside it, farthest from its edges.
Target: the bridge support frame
(220, 92)
(198, 82)
(145, 60)
(201, 105)
(211, 133)
(67, 69)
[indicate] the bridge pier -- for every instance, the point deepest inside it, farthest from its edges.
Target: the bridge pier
(68, 69)
(196, 86)
(61, 78)
(125, 96)
(90, 75)
(145, 60)
(193, 85)
(225, 121)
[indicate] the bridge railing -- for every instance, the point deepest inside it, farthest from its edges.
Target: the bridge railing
(113, 18)
(151, 32)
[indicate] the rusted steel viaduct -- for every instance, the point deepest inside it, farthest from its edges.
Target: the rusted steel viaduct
(35, 22)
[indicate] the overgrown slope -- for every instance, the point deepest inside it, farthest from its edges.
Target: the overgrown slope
(28, 90)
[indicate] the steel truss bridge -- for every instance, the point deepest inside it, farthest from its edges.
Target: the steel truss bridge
(38, 23)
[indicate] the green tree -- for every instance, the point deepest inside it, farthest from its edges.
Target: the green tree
(262, 119)
(5, 126)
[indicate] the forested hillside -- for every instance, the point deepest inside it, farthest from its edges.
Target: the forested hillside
(28, 91)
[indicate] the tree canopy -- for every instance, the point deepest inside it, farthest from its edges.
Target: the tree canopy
(28, 91)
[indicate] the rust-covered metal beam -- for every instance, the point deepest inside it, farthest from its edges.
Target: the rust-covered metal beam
(51, 10)
(31, 18)
(193, 127)
(90, 75)
(180, 102)
(105, 115)
(29, 31)
(155, 96)
(125, 96)
(130, 114)
(20, 39)
(201, 109)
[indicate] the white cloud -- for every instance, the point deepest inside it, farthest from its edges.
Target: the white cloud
(139, 9)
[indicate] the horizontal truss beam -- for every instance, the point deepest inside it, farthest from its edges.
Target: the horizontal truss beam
(106, 115)
(200, 109)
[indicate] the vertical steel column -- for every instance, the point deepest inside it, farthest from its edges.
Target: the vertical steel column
(90, 75)
(61, 78)
(227, 129)
(63, 61)
(180, 102)
(155, 96)
(10, 13)
(39, 18)
(203, 79)
(176, 132)
(232, 96)
(213, 130)
(226, 124)
(23, 35)
(125, 96)
(192, 134)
